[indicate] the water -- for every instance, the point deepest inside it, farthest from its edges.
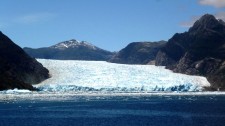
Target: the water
(115, 110)
(90, 93)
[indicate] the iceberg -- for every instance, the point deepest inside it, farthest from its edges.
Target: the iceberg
(99, 76)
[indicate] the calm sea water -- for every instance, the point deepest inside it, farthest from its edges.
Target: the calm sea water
(107, 110)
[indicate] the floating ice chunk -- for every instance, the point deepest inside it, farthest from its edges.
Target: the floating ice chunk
(15, 91)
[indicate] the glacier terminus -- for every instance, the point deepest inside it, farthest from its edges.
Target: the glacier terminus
(83, 76)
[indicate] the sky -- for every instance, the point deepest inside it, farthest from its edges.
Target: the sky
(108, 24)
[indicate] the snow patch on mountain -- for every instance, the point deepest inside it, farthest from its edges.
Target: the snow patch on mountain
(73, 44)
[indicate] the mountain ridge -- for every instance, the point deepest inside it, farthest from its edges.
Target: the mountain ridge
(199, 51)
(18, 69)
(138, 53)
(70, 50)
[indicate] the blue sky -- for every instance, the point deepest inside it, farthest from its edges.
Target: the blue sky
(108, 24)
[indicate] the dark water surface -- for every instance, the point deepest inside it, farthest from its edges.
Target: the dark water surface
(149, 110)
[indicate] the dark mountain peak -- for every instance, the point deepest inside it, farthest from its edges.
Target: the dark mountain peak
(207, 21)
(207, 17)
(200, 51)
(73, 43)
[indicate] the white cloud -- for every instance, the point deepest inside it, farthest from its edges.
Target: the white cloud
(26, 19)
(219, 15)
(215, 3)
(189, 23)
(34, 18)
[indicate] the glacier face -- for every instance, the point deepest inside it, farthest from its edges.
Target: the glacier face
(83, 76)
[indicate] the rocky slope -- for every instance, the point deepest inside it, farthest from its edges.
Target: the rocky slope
(70, 50)
(138, 53)
(200, 51)
(17, 69)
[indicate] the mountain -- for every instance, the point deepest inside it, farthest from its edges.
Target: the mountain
(138, 53)
(70, 50)
(199, 51)
(18, 69)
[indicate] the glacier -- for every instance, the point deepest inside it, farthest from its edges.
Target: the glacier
(72, 76)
